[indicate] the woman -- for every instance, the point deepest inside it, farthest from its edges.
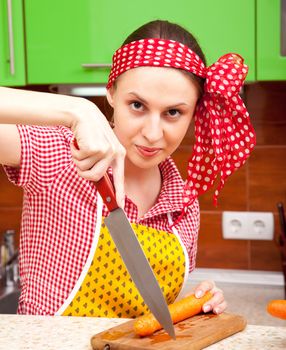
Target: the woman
(69, 264)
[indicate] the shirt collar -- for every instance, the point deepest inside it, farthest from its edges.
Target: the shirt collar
(171, 196)
(170, 199)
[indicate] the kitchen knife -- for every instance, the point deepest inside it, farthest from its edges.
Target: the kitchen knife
(133, 256)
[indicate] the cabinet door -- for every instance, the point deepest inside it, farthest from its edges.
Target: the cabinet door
(63, 35)
(220, 26)
(60, 37)
(271, 60)
(12, 57)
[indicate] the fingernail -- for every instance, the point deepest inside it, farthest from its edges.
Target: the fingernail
(207, 308)
(216, 310)
(199, 293)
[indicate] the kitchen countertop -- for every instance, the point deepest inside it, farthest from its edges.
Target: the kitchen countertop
(66, 333)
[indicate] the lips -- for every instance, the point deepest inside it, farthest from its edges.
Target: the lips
(148, 151)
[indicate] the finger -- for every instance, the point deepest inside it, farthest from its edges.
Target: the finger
(214, 302)
(218, 297)
(99, 150)
(216, 290)
(203, 287)
(97, 171)
(75, 151)
(218, 309)
(78, 148)
(87, 163)
(118, 176)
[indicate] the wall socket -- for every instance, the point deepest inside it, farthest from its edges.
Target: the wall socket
(248, 225)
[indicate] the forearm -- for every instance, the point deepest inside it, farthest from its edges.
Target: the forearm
(39, 108)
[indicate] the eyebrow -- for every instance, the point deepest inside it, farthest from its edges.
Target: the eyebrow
(145, 102)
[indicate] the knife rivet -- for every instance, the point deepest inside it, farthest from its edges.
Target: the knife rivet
(108, 199)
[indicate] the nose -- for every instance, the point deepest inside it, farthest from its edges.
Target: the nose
(152, 129)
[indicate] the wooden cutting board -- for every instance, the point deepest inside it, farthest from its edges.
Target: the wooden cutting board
(194, 333)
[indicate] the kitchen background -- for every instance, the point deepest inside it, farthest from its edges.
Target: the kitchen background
(47, 43)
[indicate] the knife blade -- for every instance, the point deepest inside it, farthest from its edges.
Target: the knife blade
(133, 256)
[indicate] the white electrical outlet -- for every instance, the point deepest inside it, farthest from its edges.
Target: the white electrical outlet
(247, 225)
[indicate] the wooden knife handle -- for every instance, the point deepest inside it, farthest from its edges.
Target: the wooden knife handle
(105, 188)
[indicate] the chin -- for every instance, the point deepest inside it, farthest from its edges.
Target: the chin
(143, 163)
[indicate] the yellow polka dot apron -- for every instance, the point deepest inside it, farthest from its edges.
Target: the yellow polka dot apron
(105, 288)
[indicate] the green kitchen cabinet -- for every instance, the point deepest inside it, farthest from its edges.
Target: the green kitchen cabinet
(217, 25)
(63, 36)
(12, 52)
(60, 37)
(271, 40)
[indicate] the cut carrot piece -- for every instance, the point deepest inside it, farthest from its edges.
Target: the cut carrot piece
(180, 310)
(277, 308)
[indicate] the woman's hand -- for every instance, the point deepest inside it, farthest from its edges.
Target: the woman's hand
(98, 146)
(217, 304)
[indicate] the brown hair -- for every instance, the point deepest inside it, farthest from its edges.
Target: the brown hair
(169, 31)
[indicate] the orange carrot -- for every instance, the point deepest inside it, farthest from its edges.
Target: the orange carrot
(180, 310)
(277, 308)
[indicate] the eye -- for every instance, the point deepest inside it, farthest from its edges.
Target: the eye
(136, 105)
(174, 113)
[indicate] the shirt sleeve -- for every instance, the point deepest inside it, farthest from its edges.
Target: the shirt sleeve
(45, 153)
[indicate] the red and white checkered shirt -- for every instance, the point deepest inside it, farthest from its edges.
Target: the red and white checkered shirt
(59, 217)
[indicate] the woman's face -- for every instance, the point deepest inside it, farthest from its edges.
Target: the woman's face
(153, 108)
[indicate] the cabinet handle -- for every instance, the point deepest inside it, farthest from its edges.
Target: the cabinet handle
(11, 37)
(283, 27)
(96, 65)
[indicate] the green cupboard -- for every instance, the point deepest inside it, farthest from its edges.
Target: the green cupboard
(12, 51)
(74, 43)
(271, 40)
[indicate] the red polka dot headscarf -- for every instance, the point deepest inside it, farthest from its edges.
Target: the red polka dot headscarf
(224, 134)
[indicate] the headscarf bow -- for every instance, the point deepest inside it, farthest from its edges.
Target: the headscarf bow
(224, 134)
